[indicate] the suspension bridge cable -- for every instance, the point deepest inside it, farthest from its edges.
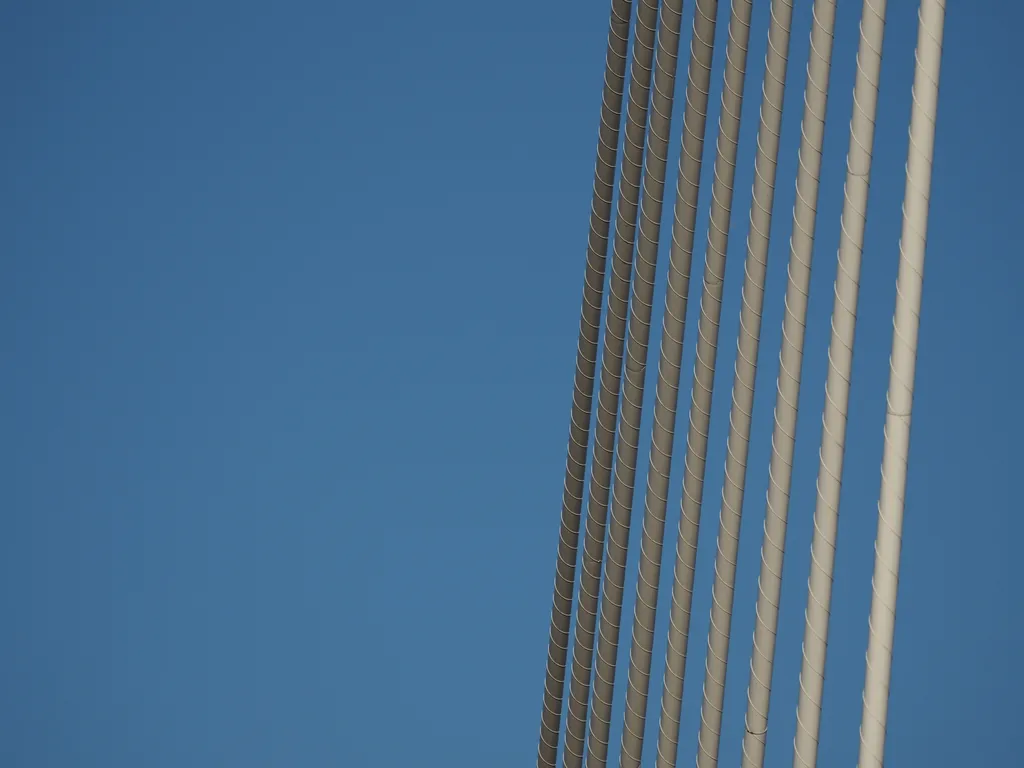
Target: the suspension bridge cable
(837, 386)
(747, 344)
(611, 376)
(780, 473)
(667, 394)
(703, 379)
(583, 384)
(900, 398)
(638, 335)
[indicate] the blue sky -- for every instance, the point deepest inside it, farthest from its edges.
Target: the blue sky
(288, 316)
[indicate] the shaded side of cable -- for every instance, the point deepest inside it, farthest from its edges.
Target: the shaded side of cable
(583, 383)
(638, 335)
(667, 393)
(611, 378)
(703, 379)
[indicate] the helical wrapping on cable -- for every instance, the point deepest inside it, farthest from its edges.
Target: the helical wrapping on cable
(669, 365)
(638, 334)
(747, 345)
(583, 384)
(812, 135)
(900, 397)
(837, 386)
(703, 378)
(611, 375)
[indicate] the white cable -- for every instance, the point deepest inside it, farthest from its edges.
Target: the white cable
(801, 244)
(900, 398)
(837, 387)
(745, 375)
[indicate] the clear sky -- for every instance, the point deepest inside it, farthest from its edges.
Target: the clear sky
(288, 317)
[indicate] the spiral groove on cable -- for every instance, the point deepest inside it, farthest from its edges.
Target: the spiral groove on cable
(638, 335)
(837, 386)
(703, 378)
(653, 54)
(667, 393)
(583, 383)
(900, 397)
(788, 385)
(748, 342)
(611, 379)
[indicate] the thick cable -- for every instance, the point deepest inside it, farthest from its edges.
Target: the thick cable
(583, 384)
(638, 336)
(745, 375)
(801, 251)
(837, 386)
(611, 379)
(703, 379)
(900, 398)
(669, 365)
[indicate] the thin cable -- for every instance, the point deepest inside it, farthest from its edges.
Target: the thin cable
(703, 379)
(611, 379)
(669, 364)
(583, 384)
(900, 398)
(794, 323)
(837, 387)
(747, 345)
(639, 331)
